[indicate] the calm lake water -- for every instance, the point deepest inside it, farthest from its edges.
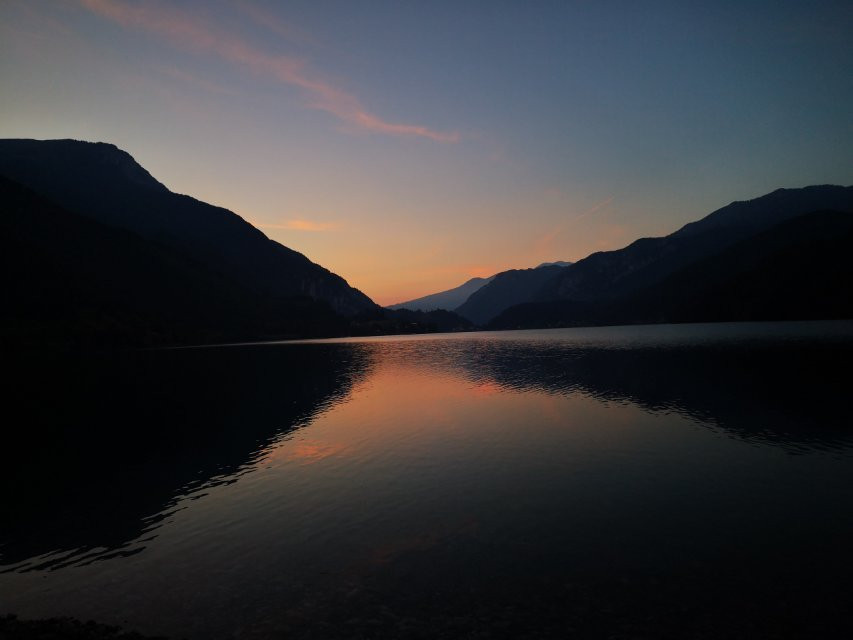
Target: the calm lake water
(656, 481)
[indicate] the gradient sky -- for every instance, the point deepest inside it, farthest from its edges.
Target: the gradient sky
(411, 145)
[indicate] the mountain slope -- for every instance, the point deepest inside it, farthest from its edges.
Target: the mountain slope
(100, 181)
(447, 300)
(505, 290)
(453, 299)
(72, 281)
(798, 269)
(611, 274)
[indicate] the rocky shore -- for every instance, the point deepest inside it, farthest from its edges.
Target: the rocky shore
(12, 628)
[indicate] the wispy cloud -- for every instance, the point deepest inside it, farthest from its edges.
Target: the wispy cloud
(299, 225)
(274, 24)
(188, 32)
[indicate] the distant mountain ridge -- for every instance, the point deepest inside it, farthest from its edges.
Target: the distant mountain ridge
(502, 295)
(508, 288)
(638, 283)
(100, 181)
(96, 250)
(609, 274)
(796, 270)
(448, 300)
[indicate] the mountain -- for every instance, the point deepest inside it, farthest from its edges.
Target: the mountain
(455, 298)
(506, 289)
(70, 280)
(611, 274)
(104, 183)
(449, 299)
(797, 269)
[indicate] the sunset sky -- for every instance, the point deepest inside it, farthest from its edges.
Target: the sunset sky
(409, 146)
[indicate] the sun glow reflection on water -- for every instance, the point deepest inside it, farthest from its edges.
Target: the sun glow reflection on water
(492, 469)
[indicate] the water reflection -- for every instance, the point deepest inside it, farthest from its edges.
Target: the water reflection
(100, 447)
(104, 446)
(774, 383)
(521, 484)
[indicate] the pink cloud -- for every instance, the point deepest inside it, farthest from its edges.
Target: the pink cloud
(273, 24)
(189, 33)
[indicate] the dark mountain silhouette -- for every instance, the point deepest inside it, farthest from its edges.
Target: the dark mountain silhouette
(72, 281)
(614, 275)
(505, 290)
(798, 269)
(455, 298)
(610, 274)
(449, 299)
(104, 183)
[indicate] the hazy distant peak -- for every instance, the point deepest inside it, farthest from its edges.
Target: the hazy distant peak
(448, 300)
(454, 299)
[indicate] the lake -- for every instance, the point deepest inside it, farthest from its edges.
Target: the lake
(616, 482)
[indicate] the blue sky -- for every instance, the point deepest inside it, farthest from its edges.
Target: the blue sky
(411, 145)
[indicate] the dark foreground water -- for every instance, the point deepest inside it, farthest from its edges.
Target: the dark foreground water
(637, 482)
